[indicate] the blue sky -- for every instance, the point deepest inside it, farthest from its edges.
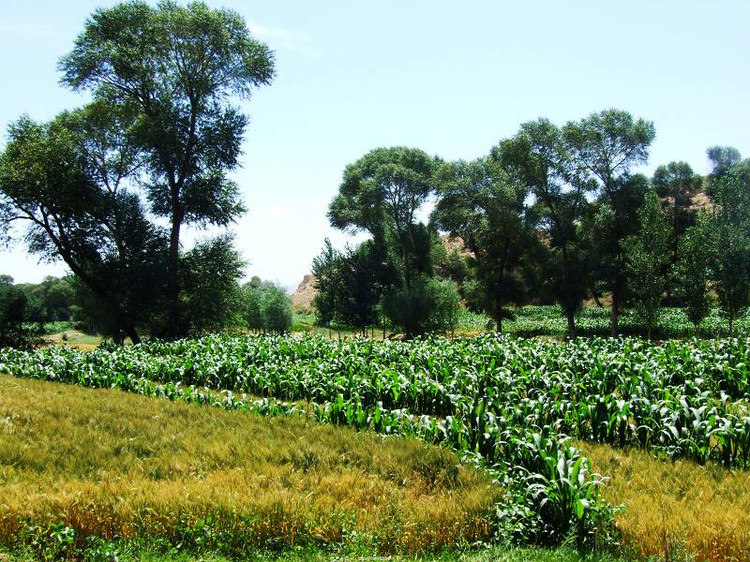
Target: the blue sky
(451, 78)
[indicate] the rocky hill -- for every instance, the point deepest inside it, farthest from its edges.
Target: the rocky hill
(302, 297)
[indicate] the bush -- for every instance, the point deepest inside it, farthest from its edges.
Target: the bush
(276, 309)
(426, 306)
(14, 332)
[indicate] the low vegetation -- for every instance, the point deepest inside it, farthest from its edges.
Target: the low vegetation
(670, 323)
(676, 509)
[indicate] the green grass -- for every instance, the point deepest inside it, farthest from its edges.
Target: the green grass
(131, 553)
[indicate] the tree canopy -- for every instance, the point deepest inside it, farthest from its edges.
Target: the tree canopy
(108, 187)
(178, 68)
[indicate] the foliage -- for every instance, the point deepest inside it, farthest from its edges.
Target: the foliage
(14, 332)
(483, 206)
(381, 194)
(731, 266)
(647, 260)
(430, 305)
(50, 300)
(723, 159)
(266, 306)
(538, 156)
(251, 296)
(70, 192)
(174, 69)
(210, 273)
(606, 145)
(696, 253)
(350, 284)
(676, 183)
(276, 309)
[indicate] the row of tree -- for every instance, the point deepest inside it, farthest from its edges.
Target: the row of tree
(552, 214)
(110, 187)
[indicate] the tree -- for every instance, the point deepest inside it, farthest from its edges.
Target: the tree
(178, 67)
(329, 285)
(250, 298)
(539, 159)
(481, 204)
(676, 182)
(265, 306)
(731, 266)
(67, 181)
(647, 259)
(13, 330)
(606, 145)
(723, 159)
(349, 285)
(276, 309)
(697, 253)
(211, 272)
(381, 194)
(50, 300)
(427, 305)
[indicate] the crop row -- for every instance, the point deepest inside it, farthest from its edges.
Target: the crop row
(689, 399)
(549, 320)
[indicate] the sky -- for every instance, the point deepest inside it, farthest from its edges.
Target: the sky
(451, 78)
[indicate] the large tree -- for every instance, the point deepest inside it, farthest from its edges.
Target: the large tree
(68, 181)
(607, 145)
(538, 157)
(675, 183)
(381, 194)
(484, 206)
(180, 67)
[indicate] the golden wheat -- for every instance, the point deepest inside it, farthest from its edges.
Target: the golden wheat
(116, 465)
(677, 506)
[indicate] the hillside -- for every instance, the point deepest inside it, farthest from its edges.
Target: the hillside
(302, 297)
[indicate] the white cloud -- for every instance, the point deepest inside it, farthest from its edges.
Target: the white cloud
(284, 39)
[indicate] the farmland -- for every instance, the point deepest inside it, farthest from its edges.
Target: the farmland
(510, 406)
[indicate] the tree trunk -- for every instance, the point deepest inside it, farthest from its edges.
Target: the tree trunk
(615, 316)
(498, 316)
(407, 269)
(131, 332)
(571, 316)
(173, 327)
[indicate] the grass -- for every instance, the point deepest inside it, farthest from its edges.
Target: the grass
(676, 506)
(74, 338)
(492, 554)
(119, 466)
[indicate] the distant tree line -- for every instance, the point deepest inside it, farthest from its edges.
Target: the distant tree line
(26, 309)
(550, 215)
